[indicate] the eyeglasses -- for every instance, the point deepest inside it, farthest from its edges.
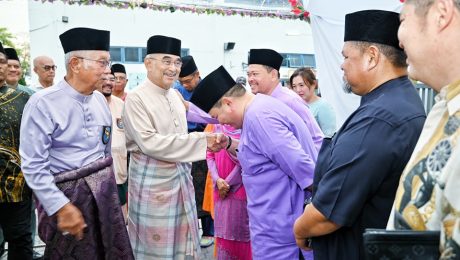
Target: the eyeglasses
(188, 81)
(168, 62)
(49, 67)
(102, 63)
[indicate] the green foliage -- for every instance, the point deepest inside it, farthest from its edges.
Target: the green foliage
(6, 38)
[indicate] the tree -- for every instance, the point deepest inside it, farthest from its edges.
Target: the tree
(6, 38)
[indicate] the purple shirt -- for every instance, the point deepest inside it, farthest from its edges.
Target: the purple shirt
(61, 130)
(296, 103)
(278, 158)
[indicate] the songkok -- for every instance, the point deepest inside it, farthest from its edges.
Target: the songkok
(188, 66)
(118, 68)
(85, 39)
(163, 44)
(375, 26)
(265, 57)
(11, 54)
(1, 49)
(212, 88)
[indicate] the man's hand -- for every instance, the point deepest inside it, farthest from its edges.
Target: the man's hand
(312, 223)
(223, 188)
(70, 219)
(302, 242)
(216, 142)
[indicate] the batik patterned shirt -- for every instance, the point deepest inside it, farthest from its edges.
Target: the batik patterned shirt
(13, 187)
(428, 197)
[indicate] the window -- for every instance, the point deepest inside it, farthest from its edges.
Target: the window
(143, 53)
(115, 54)
(132, 54)
(294, 60)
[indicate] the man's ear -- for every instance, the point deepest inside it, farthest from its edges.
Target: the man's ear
(74, 65)
(444, 13)
(274, 74)
(227, 101)
(373, 56)
(147, 63)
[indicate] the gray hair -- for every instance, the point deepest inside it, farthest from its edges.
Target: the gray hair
(149, 56)
(71, 54)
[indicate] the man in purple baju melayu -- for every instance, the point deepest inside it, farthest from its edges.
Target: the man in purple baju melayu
(277, 156)
(65, 151)
(263, 77)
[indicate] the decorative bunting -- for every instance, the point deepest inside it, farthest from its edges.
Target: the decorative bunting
(297, 12)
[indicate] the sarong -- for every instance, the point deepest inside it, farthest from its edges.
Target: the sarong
(93, 190)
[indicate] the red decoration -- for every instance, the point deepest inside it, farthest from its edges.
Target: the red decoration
(298, 9)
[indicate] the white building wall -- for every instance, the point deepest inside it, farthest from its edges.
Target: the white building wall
(203, 34)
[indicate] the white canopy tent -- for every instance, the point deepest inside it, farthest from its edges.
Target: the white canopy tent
(327, 22)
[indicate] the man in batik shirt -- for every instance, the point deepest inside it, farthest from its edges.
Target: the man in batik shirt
(15, 195)
(428, 196)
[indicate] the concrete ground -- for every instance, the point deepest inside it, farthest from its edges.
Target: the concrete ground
(206, 253)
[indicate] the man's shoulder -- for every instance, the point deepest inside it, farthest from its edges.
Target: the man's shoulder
(396, 109)
(138, 90)
(264, 105)
(26, 89)
(116, 99)
(14, 94)
(178, 86)
(118, 102)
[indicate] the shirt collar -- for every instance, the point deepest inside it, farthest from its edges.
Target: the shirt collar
(377, 91)
(276, 89)
(451, 94)
(156, 88)
(74, 93)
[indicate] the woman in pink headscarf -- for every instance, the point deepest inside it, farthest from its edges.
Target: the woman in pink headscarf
(231, 221)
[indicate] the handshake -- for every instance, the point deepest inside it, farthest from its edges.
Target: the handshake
(217, 142)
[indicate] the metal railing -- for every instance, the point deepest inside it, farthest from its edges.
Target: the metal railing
(427, 95)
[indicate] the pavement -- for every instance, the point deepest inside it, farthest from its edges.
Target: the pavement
(206, 253)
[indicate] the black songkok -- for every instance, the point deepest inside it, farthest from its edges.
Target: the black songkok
(118, 68)
(212, 88)
(85, 39)
(265, 57)
(375, 26)
(163, 44)
(188, 66)
(11, 54)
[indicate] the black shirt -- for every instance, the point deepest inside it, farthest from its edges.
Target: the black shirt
(358, 170)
